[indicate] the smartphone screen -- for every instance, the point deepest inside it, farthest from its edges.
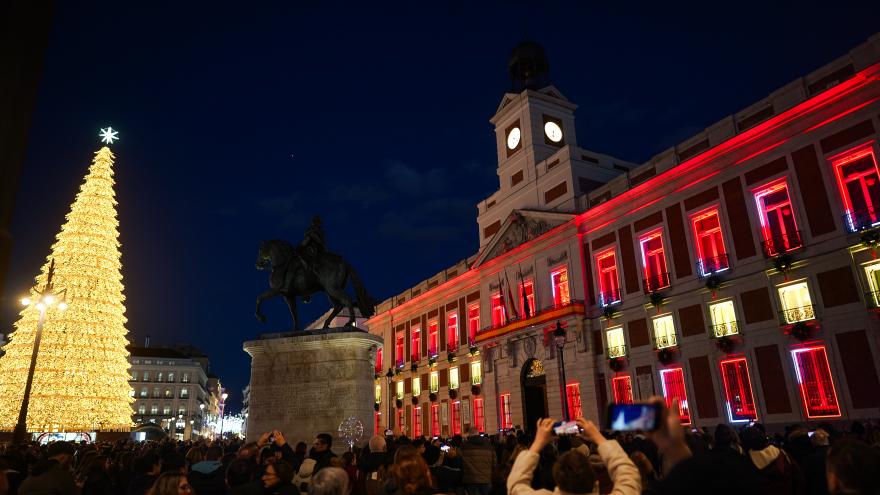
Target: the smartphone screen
(566, 428)
(631, 417)
(444, 448)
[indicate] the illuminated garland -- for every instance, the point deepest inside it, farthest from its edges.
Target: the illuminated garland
(81, 376)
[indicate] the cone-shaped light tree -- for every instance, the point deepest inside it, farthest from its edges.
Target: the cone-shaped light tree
(80, 377)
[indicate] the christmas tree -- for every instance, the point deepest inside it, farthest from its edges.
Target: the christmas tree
(81, 376)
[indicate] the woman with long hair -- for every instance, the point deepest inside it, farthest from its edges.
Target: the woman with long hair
(171, 483)
(411, 473)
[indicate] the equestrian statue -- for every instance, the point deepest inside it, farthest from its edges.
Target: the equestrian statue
(301, 271)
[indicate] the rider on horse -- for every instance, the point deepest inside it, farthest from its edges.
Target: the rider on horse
(312, 246)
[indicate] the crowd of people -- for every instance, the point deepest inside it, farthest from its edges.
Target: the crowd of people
(670, 459)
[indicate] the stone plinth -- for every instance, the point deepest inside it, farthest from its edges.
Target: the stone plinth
(307, 383)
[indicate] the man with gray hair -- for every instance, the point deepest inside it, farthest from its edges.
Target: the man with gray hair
(477, 459)
(329, 481)
(374, 466)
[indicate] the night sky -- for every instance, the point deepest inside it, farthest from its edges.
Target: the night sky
(239, 123)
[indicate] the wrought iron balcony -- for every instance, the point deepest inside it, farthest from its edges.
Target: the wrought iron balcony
(782, 243)
(574, 306)
(656, 282)
(859, 220)
(794, 315)
(724, 329)
(616, 351)
(709, 266)
(662, 341)
(610, 297)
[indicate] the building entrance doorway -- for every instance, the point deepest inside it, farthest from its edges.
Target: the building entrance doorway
(534, 387)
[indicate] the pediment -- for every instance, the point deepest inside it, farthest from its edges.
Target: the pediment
(520, 227)
(507, 99)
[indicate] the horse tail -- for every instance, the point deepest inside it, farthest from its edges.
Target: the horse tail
(365, 303)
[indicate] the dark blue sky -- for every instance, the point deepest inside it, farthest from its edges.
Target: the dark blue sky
(239, 123)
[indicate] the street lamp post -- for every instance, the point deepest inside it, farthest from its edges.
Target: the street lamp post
(223, 397)
(559, 337)
(390, 378)
(47, 298)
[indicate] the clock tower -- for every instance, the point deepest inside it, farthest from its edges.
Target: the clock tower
(540, 166)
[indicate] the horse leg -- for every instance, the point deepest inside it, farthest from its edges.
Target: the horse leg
(343, 300)
(291, 304)
(336, 309)
(269, 294)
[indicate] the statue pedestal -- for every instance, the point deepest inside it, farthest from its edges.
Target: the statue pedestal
(307, 383)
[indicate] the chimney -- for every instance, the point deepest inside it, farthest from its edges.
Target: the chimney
(147, 341)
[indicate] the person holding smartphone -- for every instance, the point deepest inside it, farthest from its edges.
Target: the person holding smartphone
(572, 471)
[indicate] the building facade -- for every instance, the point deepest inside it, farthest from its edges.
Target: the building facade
(170, 388)
(735, 272)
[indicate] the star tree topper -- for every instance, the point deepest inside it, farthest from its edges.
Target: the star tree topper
(108, 135)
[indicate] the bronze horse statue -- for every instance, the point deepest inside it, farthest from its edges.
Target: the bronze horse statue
(295, 273)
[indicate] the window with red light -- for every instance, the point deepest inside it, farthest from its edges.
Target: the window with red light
(654, 261)
(859, 183)
(456, 417)
(415, 342)
(559, 284)
(673, 388)
(712, 257)
(377, 426)
(435, 420)
(621, 387)
(497, 310)
(778, 225)
(401, 426)
(479, 414)
(527, 298)
(417, 422)
(452, 330)
(398, 349)
(738, 390)
(433, 338)
(573, 399)
(814, 379)
(506, 416)
(379, 360)
(473, 322)
(609, 287)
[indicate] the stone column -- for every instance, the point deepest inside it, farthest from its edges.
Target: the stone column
(305, 384)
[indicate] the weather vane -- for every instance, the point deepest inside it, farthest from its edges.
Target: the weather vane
(108, 135)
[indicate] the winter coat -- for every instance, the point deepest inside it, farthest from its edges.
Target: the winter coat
(623, 472)
(208, 478)
(140, 484)
(53, 481)
(477, 460)
(322, 459)
(283, 489)
(782, 474)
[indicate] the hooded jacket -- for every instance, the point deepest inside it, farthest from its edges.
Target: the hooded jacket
(208, 478)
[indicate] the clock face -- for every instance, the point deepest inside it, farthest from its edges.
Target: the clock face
(513, 138)
(553, 132)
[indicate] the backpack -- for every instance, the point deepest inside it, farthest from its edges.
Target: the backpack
(304, 475)
(374, 481)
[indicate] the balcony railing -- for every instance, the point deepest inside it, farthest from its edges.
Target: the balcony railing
(724, 329)
(794, 315)
(709, 266)
(782, 243)
(533, 315)
(656, 282)
(661, 341)
(616, 351)
(610, 297)
(859, 220)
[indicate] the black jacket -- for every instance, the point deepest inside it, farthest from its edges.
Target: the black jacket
(322, 459)
(207, 478)
(140, 484)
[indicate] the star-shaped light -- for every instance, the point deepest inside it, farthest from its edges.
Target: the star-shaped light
(108, 135)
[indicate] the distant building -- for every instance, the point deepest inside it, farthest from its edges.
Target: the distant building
(170, 388)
